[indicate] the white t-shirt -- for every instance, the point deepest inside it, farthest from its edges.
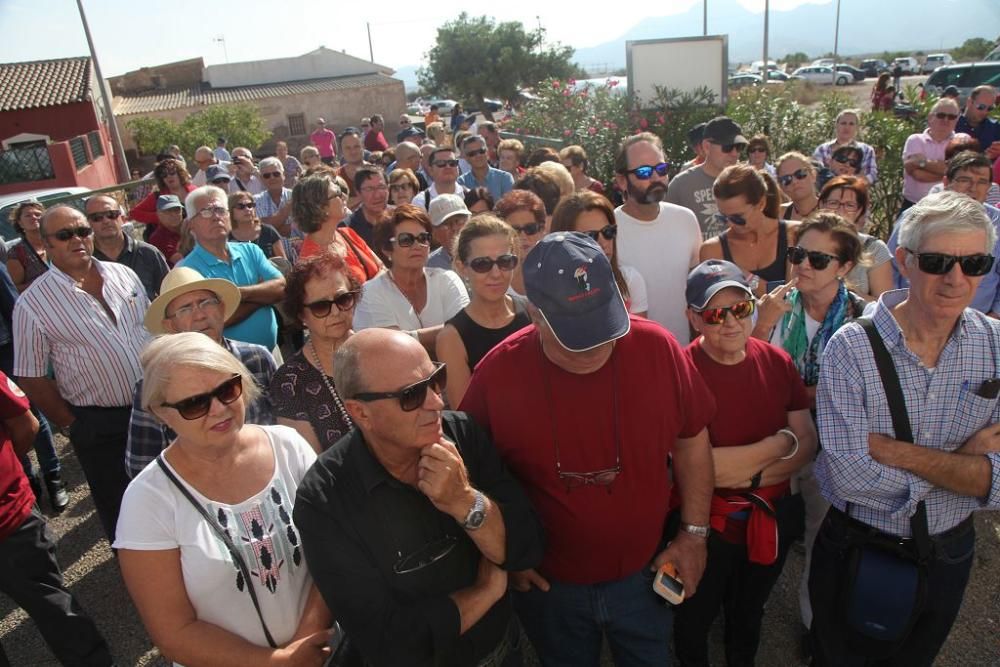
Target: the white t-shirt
(383, 305)
(155, 515)
(812, 328)
(421, 198)
(663, 250)
(638, 300)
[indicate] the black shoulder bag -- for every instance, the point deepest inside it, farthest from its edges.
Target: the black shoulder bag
(227, 540)
(885, 583)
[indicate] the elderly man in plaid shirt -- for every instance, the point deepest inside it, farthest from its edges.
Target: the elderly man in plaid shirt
(947, 357)
(190, 302)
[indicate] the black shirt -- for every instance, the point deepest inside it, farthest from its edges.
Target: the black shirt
(359, 223)
(360, 527)
(479, 340)
(146, 260)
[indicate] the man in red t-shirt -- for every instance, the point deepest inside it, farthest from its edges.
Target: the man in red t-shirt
(586, 407)
(374, 139)
(29, 573)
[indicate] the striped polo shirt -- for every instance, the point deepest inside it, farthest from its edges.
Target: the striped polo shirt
(95, 358)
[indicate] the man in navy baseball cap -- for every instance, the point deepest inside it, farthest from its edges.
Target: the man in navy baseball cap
(568, 278)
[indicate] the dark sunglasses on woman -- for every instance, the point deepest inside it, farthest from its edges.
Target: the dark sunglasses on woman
(608, 231)
(411, 396)
(198, 406)
(846, 159)
(244, 205)
(798, 174)
(735, 218)
(343, 302)
(529, 229)
(406, 239)
(938, 264)
(485, 264)
(740, 311)
(818, 260)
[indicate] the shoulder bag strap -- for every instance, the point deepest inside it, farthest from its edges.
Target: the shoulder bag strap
(224, 536)
(900, 424)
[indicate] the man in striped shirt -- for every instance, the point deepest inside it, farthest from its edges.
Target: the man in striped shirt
(84, 319)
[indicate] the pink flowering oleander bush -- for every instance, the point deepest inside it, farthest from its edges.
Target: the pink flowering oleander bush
(599, 118)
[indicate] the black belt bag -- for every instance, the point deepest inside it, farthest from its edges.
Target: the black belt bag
(884, 585)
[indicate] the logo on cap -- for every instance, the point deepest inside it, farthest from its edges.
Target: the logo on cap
(582, 281)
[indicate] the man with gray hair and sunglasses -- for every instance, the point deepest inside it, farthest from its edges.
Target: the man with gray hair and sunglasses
(410, 523)
(909, 418)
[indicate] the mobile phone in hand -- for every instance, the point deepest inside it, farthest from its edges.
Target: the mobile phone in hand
(668, 585)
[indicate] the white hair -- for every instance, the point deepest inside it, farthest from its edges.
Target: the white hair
(270, 162)
(942, 213)
(195, 198)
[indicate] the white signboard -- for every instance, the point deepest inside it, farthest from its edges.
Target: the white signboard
(683, 63)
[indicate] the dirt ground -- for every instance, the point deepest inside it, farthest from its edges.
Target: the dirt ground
(92, 575)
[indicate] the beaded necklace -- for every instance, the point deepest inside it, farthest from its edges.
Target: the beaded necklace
(329, 385)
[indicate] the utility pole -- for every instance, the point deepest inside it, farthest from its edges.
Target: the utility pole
(112, 124)
(704, 17)
(221, 39)
(767, 11)
(371, 52)
(836, 41)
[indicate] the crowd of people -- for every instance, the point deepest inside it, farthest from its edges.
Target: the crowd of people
(420, 405)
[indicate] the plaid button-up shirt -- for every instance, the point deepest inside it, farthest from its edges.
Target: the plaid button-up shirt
(943, 408)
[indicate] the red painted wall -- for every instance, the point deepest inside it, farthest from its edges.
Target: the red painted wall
(61, 122)
(100, 173)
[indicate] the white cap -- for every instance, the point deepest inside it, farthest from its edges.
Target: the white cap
(446, 206)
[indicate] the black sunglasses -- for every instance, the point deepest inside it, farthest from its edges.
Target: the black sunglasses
(104, 215)
(798, 174)
(70, 232)
(727, 148)
(608, 231)
(272, 174)
(474, 153)
(445, 163)
(938, 264)
(818, 260)
(425, 556)
(485, 264)
(529, 229)
(645, 172)
(344, 302)
(735, 218)
(406, 239)
(198, 406)
(411, 396)
(245, 205)
(845, 159)
(985, 107)
(940, 115)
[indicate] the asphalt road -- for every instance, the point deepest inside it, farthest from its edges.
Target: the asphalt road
(91, 573)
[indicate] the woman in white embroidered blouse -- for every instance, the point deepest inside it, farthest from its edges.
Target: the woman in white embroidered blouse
(194, 598)
(409, 296)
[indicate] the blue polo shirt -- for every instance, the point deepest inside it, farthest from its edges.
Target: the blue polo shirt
(987, 132)
(498, 182)
(248, 267)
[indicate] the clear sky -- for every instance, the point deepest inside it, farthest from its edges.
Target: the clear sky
(130, 34)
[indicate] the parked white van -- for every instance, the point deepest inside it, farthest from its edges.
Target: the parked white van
(908, 63)
(936, 60)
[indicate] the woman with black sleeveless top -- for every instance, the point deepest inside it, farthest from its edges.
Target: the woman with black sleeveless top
(755, 239)
(485, 257)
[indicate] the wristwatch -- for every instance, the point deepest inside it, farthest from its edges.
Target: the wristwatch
(477, 513)
(923, 163)
(699, 531)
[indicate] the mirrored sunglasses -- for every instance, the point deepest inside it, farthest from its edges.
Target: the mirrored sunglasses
(645, 172)
(740, 311)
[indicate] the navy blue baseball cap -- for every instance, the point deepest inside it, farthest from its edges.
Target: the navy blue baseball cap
(569, 279)
(711, 277)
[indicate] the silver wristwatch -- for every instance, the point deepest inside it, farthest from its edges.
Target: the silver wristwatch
(477, 513)
(700, 531)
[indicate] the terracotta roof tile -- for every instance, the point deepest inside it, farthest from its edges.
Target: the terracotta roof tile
(44, 83)
(205, 95)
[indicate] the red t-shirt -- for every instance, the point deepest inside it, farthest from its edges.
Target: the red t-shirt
(593, 533)
(375, 141)
(324, 140)
(754, 398)
(16, 497)
(167, 242)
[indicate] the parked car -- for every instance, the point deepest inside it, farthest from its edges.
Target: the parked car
(908, 63)
(936, 60)
(823, 62)
(965, 77)
(822, 75)
(46, 196)
(856, 74)
(776, 76)
(744, 80)
(491, 104)
(874, 66)
(444, 105)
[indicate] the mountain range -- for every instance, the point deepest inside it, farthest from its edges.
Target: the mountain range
(866, 27)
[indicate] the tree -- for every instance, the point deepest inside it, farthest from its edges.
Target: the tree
(241, 124)
(475, 58)
(972, 49)
(796, 59)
